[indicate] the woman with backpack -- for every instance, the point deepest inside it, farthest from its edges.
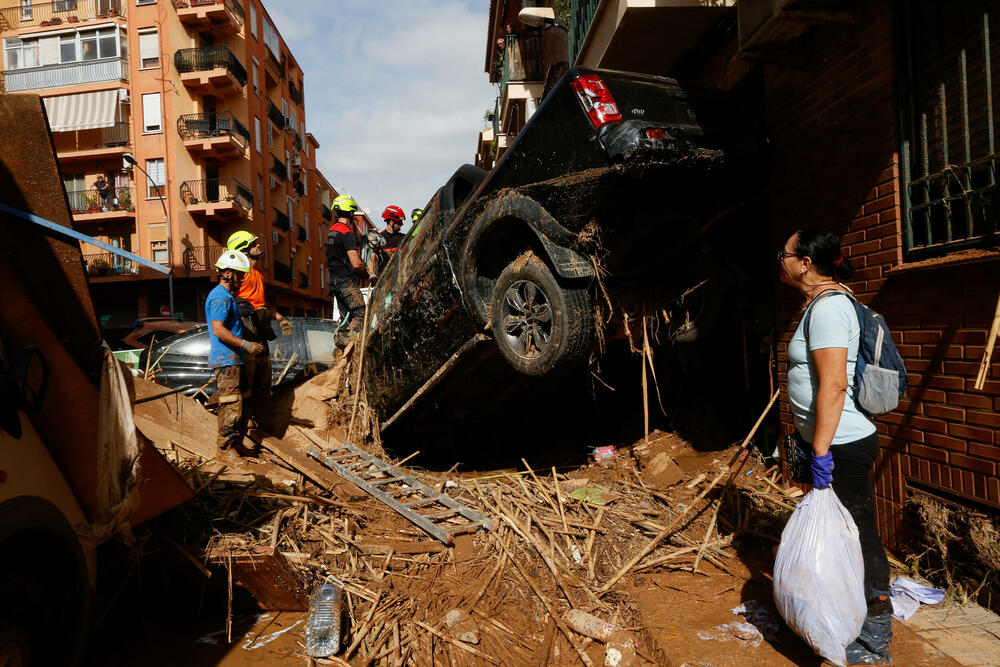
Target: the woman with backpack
(838, 441)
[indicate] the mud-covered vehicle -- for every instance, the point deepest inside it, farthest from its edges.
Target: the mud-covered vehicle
(596, 206)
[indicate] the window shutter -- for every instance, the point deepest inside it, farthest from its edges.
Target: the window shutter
(149, 48)
(151, 116)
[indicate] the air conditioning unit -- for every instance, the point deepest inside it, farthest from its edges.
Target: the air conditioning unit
(275, 238)
(296, 160)
(274, 183)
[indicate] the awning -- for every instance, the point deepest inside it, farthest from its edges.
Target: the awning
(84, 111)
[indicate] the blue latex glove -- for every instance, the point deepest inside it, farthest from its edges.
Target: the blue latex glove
(822, 470)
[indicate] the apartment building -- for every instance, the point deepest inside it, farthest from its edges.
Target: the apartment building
(207, 99)
(527, 49)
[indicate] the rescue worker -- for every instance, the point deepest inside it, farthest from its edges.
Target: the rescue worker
(256, 319)
(393, 217)
(226, 349)
(345, 268)
(415, 214)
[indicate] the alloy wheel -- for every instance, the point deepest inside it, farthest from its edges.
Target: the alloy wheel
(527, 318)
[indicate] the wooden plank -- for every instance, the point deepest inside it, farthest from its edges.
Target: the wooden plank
(292, 450)
(265, 572)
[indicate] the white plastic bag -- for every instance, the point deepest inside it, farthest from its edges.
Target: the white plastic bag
(819, 575)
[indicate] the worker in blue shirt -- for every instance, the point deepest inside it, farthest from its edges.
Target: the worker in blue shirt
(225, 353)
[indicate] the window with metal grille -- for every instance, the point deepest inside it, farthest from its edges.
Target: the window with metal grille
(949, 161)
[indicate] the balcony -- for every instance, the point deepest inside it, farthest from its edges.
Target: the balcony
(213, 135)
(223, 18)
(88, 207)
(68, 74)
(99, 143)
(281, 220)
(300, 234)
(326, 212)
(522, 59)
(202, 257)
(274, 115)
(278, 168)
(217, 199)
(294, 93)
(296, 139)
(274, 71)
(303, 280)
(211, 70)
(59, 13)
(109, 265)
(282, 272)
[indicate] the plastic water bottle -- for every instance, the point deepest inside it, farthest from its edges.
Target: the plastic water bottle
(323, 624)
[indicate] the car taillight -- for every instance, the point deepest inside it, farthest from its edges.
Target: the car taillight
(597, 100)
(655, 133)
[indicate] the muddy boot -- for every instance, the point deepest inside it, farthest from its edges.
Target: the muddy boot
(229, 457)
(872, 647)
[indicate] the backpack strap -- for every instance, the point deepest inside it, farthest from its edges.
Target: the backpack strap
(819, 297)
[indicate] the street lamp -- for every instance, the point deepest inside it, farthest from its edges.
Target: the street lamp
(166, 217)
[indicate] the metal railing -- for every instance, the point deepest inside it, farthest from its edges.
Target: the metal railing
(579, 25)
(235, 8)
(202, 257)
(326, 212)
(115, 136)
(215, 190)
(278, 168)
(272, 64)
(522, 59)
(60, 12)
(281, 220)
(204, 58)
(300, 188)
(949, 159)
(294, 92)
(300, 233)
(120, 198)
(68, 74)
(274, 115)
(282, 272)
(103, 264)
(296, 139)
(213, 124)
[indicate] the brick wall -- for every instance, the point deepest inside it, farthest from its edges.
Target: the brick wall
(833, 118)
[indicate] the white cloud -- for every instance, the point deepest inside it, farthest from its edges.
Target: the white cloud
(395, 91)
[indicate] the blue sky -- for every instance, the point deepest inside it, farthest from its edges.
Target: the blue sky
(395, 91)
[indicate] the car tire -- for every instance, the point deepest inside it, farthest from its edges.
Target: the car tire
(698, 315)
(539, 325)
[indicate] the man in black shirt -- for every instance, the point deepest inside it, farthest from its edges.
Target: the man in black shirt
(343, 262)
(393, 217)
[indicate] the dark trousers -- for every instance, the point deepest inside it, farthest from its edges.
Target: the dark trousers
(347, 294)
(852, 466)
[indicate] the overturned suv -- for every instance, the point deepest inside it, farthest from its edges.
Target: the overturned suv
(601, 199)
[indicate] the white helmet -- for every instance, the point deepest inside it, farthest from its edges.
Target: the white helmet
(375, 240)
(235, 260)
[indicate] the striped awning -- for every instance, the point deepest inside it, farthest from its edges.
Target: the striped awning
(84, 111)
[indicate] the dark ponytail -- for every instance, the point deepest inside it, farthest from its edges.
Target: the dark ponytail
(823, 247)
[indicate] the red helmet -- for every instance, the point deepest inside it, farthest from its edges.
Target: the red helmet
(393, 213)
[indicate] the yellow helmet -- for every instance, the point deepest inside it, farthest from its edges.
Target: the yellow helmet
(241, 241)
(345, 204)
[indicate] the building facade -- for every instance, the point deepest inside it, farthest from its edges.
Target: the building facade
(207, 99)
(881, 119)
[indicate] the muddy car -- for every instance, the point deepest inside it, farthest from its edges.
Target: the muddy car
(600, 200)
(182, 360)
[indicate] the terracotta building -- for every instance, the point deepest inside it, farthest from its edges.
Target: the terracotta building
(881, 117)
(207, 98)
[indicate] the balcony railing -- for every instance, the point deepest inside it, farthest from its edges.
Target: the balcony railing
(115, 136)
(300, 188)
(68, 74)
(294, 93)
(274, 115)
(103, 264)
(213, 124)
(326, 212)
(282, 272)
(235, 8)
(202, 257)
(300, 233)
(64, 12)
(89, 201)
(205, 58)
(522, 59)
(276, 68)
(579, 24)
(303, 279)
(215, 190)
(296, 139)
(278, 168)
(281, 220)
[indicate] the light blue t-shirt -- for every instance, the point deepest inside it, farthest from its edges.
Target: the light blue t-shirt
(221, 306)
(833, 323)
